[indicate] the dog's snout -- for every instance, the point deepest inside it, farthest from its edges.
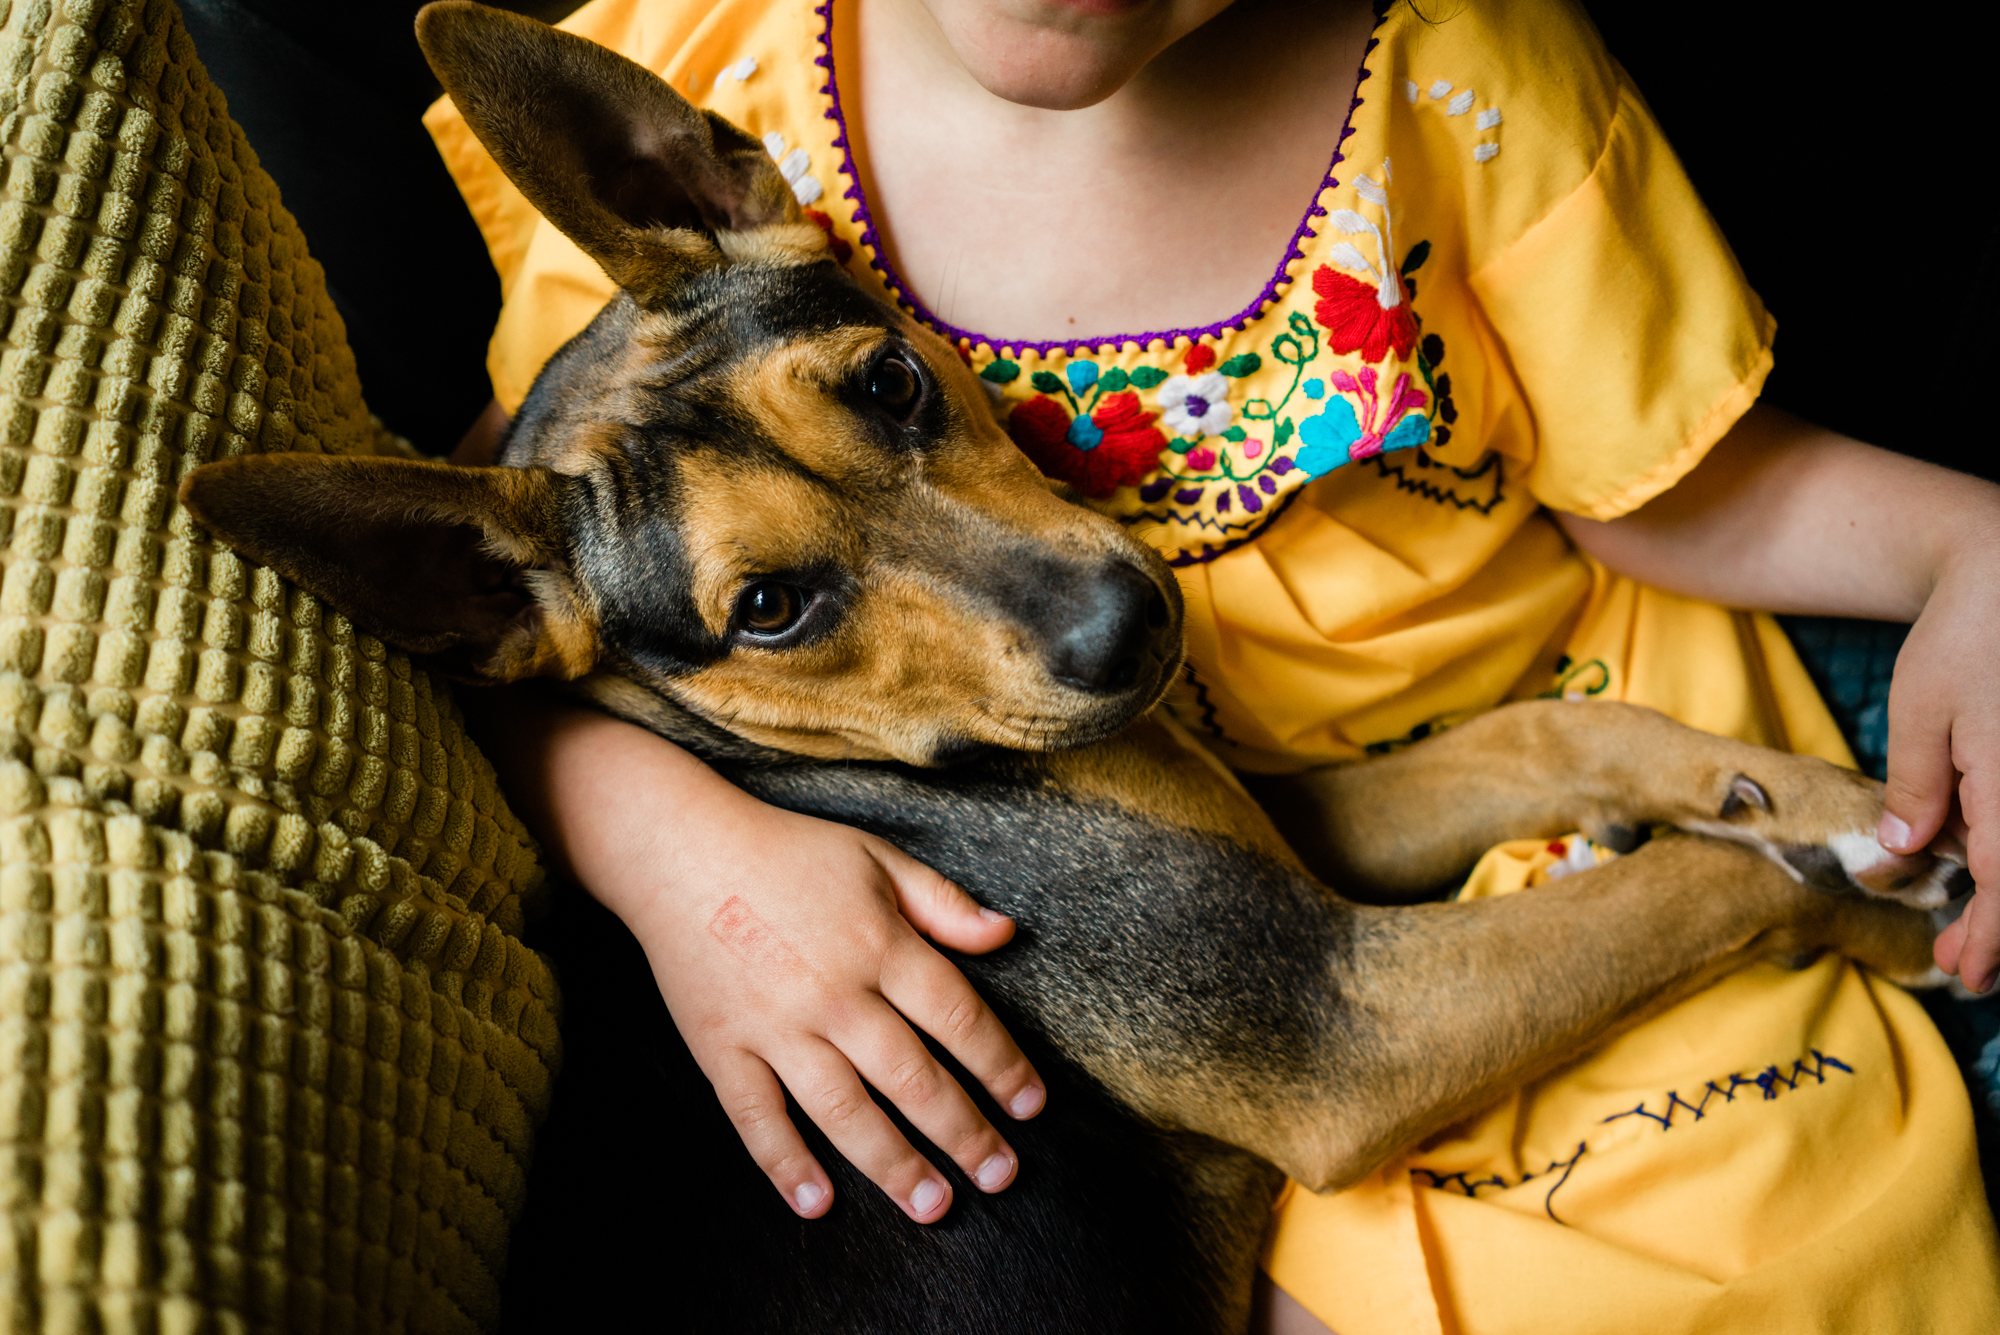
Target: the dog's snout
(1112, 618)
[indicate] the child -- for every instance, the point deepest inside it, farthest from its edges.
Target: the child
(1499, 394)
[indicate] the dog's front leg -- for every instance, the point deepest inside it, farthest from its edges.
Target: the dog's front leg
(1409, 825)
(1431, 1012)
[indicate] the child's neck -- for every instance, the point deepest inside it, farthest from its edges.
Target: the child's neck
(1165, 206)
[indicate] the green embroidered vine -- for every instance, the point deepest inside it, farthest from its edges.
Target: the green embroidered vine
(1289, 350)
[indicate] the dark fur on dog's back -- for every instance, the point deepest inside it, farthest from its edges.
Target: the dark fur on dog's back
(1111, 1225)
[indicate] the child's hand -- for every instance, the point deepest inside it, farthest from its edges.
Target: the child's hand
(1944, 750)
(787, 949)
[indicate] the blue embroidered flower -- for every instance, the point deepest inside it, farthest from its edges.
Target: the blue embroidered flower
(1335, 436)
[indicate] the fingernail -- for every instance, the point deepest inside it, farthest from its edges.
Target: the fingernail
(1028, 1102)
(807, 1196)
(926, 1197)
(1982, 987)
(1893, 833)
(993, 1174)
(993, 916)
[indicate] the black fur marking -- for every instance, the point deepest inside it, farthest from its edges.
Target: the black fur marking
(645, 1214)
(1624, 838)
(1157, 946)
(1818, 865)
(1222, 948)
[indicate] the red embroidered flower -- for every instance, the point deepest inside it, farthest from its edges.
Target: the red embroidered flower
(1355, 321)
(1199, 358)
(1111, 446)
(842, 252)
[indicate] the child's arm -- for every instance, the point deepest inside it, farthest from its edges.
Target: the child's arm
(1789, 517)
(786, 947)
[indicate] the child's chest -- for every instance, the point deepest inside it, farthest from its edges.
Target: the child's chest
(1167, 206)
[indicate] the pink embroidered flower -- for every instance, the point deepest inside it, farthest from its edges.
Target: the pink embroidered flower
(1201, 460)
(1356, 321)
(1196, 405)
(1111, 446)
(1338, 435)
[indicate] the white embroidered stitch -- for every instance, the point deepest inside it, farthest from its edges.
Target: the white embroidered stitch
(1388, 287)
(1484, 152)
(740, 71)
(1441, 90)
(1410, 87)
(1487, 119)
(1459, 105)
(1343, 253)
(792, 166)
(1577, 856)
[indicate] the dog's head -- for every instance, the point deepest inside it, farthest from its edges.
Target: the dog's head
(747, 493)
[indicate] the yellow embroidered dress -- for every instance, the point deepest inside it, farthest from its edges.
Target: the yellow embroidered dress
(1504, 298)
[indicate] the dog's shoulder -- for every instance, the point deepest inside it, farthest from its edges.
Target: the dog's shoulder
(1159, 774)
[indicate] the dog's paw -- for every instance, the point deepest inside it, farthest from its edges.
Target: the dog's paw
(1818, 823)
(1854, 860)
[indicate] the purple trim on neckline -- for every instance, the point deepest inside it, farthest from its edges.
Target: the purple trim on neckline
(872, 239)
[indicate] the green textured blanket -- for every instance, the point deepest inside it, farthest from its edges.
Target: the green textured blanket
(271, 1051)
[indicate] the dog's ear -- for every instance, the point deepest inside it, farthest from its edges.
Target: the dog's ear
(607, 151)
(464, 565)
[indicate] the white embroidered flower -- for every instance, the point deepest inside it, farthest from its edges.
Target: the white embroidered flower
(1196, 405)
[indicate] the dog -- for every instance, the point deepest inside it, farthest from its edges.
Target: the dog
(772, 520)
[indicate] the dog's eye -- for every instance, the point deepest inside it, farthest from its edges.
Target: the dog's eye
(894, 386)
(770, 608)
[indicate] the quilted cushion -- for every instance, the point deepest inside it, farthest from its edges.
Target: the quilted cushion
(271, 1051)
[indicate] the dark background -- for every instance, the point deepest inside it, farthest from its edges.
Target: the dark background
(1842, 167)
(329, 95)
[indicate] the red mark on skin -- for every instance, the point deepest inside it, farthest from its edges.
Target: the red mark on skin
(754, 941)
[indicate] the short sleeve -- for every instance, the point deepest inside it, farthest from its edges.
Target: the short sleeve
(1629, 327)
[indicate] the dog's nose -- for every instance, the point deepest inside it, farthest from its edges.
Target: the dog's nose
(1113, 615)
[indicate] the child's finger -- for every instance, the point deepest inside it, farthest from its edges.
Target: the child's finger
(1979, 960)
(755, 1102)
(1950, 945)
(896, 1062)
(827, 1088)
(1979, 942)
(938, 908)
(936, 998)
(1921, 775)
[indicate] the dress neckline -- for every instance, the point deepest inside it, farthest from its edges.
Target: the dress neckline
(871, 237)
